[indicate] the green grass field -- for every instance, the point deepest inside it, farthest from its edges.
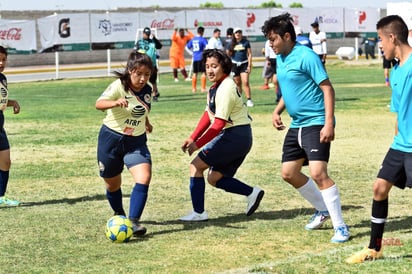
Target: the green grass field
(60, 226)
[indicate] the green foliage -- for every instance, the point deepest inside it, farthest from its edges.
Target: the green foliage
(211, 5)
(270, 4)
(296, 5)
(60, 226)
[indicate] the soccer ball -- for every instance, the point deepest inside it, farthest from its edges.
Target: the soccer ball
(119, 229)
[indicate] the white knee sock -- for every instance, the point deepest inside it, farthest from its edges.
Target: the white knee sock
(311, 193)
(332, 201)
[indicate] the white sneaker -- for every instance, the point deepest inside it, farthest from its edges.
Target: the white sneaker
(188, 79)
(317, 220)
(176, 80)
(195, 217)
(249, 103)
(342, 234)
(253, 200)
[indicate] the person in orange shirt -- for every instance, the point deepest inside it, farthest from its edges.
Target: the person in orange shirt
(177, 50)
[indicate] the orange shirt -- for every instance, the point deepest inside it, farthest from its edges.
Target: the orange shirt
(178, 43)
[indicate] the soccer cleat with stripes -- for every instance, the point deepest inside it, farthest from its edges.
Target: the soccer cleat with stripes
(317, 220)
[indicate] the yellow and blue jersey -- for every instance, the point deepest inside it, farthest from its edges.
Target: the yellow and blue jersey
(131, 120)
(225, 102)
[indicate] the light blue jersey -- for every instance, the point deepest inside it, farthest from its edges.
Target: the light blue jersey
(299, 75)
(401, 84)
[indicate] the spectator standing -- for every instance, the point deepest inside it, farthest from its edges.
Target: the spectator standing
(150, 45)
(369, 46)
(270, 70)
(241, 54)
(318, 40)
(215, 42)
(195, 47)
(228, 40)
(177, 52)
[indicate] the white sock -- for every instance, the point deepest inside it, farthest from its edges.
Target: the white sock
(332, 201)
(311, 193)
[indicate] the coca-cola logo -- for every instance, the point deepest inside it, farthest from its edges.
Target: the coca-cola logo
(11, 34)
(165, 24)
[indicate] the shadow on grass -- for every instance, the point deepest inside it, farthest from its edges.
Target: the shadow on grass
(70, 201)
(392, 225)
(230, 221)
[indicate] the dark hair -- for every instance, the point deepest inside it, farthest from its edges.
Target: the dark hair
(135, 60)
(394, 24)
(3, 50)
(280, 24)
(222, 58)
(200, 30)
(229, 31)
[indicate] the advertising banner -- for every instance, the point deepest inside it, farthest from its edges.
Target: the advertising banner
(64, 32)
(18, 36)
(113, 30)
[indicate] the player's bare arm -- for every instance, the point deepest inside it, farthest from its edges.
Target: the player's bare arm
(104, 104)
(276, 118)
(327, 134)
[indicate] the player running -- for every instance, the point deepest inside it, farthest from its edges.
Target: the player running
(225, 132)
(122, 138)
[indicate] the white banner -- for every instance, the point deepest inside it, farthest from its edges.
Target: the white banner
(361, 20)
(165, 22)
(209, 20)
(113, 27)
(19, 35)
(329, 19)
(403, 9)
(64, 29)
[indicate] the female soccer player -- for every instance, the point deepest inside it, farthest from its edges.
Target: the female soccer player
(5, 161)
(122, 138)
(224, 129)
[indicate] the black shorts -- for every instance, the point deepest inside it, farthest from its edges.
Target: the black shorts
(198, 66)
(238, 69)
(397, 168)
(304, 143)
(153, 76)
(387, 64)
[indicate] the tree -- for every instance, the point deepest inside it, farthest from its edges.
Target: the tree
(296, 5)
(210, 5)
(270, 4)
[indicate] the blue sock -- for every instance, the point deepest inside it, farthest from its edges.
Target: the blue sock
(233, 185)
(197, 192)
(115, 201)
(4, 179)
(138, 200)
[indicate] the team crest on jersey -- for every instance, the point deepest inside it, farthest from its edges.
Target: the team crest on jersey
(147, 98)
(138, 111)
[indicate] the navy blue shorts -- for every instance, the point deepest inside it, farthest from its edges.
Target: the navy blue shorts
(305, 143)
(226, 152)
(4, 141)
(114, 150)
(397, 168)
